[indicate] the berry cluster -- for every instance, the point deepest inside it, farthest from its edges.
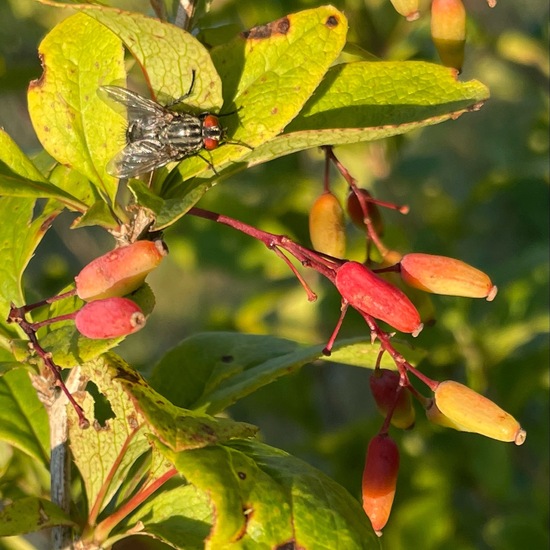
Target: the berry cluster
(363, 287)
(105, 284)
(107, 313)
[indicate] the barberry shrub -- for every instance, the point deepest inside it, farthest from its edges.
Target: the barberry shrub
(232, 418)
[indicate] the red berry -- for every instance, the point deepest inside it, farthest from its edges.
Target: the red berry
(357, 216)
(385, 388)
(380, 480)
(109, 318)
(370, 294)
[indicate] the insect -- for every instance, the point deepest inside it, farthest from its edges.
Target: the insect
(157, 135)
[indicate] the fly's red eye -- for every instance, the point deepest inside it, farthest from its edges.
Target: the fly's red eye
(211, 143)
(211, 121)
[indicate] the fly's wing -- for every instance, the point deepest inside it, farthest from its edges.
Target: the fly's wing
(129, 104)
(140, 157)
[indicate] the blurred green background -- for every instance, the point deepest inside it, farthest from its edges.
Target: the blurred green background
(478, 191)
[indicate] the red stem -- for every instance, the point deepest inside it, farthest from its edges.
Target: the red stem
(17, 315)
(107, 525)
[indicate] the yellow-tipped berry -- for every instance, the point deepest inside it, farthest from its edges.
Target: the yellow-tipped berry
(109, 318)
(326, 226)
(120, 271)
(380, 480)
(443, 275)
(407, 8)
(369, 293)
(448, 27)
(473, 412)
(384, 386)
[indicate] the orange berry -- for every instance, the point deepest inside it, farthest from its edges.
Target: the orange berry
(380, 480)
(473, 412)
(120, 271)
(109, 318)
(443, 275)
(448, 28)
(370, 294)
(384, 385)
(326, 226)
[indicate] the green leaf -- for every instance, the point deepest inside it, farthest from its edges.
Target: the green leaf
(105, 454)
(23, 179)
(166, 211)
(367, 100)
(211, 371)
(19, 237)
(16, 161)
(272, 70)
(69, 118)
(180, 516)
(178, 428)
(69, 348)
(264, 498)
(23, 419)
(98, 214)
(167, 55)
(31, 514)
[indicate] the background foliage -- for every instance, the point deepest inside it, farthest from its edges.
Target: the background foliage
(478, 190)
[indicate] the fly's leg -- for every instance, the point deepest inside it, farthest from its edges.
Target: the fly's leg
(182, 98)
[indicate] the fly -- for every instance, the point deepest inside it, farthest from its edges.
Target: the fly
(157, 135)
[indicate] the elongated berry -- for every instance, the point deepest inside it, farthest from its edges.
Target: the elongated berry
(355, 212)
(443, 275)
(120, 271)
(473, 412)
(448, 28)
(385, 388)
(369, 293)
(380, 480)
(407, 8)
(109, 318)
(326, 226)
(434, 415)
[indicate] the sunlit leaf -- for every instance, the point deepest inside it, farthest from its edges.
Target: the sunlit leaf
(70, 120)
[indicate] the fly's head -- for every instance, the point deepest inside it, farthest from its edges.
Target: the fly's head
(212, 133)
